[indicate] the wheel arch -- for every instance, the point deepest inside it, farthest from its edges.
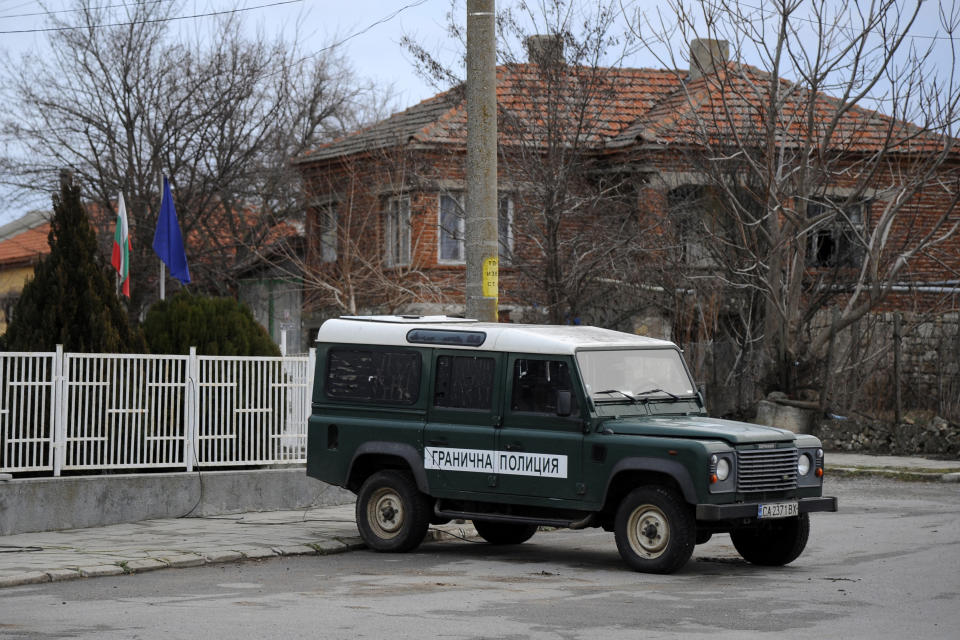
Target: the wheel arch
(371, 457)
(630, 473)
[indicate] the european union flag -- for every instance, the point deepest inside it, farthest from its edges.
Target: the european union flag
(167, 241)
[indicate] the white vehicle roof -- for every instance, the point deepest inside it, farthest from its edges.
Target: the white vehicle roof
(522, 338)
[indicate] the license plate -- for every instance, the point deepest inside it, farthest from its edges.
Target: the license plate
(778, 510)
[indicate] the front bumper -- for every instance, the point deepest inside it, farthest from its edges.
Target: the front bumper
(749, 509)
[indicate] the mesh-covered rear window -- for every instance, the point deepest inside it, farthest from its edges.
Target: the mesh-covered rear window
(464, 382)
(383, 376)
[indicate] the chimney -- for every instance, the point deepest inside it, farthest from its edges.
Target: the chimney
(706, 56)
(544, 50)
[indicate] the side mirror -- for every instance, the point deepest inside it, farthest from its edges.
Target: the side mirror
(563, 403)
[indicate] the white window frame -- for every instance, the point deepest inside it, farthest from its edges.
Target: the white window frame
(688, 220)
(504, 233)
(397, 232)
(455, 234)
(505, 244)
(329, 223)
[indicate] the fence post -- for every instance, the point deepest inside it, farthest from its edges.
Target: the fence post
(283, 342)
(898, 401)
(58, 406)
(311, 365)
(192, 406)
(828, 365)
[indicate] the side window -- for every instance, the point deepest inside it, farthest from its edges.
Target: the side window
(382, 376)
(464, 382)
(536, 384)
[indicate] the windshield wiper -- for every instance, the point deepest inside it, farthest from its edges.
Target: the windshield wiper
(625, 394)
(673, 396)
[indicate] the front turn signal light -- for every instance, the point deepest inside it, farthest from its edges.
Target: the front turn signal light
(819, 472)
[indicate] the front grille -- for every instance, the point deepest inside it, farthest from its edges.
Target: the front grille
(766, 470)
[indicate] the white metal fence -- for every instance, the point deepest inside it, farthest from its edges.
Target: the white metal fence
(79, 411)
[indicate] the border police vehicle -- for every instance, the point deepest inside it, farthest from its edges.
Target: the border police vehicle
(430, 419)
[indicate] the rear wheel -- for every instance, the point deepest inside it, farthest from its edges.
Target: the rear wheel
(775, 543)
(504, 532)
(655, 530)
(392, 514)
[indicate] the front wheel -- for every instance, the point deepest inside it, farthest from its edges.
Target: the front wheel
(392, 514)
(775, 543)
(504, 532)
(655, 530)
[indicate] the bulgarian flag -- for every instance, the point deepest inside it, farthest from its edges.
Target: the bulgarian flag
(121, 248)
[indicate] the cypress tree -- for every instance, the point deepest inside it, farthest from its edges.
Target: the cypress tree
(72, 299)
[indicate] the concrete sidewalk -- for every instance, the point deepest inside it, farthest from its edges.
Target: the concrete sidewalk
(111, 550)
(903, 467)
(185, 542)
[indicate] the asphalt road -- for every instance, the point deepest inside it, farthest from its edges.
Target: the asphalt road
(886, 566)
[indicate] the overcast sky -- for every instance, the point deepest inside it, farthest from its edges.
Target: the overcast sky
(369, 32)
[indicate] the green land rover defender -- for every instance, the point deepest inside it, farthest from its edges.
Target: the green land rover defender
(429, 419)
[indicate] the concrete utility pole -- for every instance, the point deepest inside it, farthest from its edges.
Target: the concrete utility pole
(481, 214)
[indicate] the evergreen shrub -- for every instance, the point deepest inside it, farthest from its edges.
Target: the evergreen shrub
(215, 326)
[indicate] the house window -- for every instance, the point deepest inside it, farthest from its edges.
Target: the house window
(328, 222)
(505, 228)
(834, 238)
(688, 209)
(452, 229)
(397, 231)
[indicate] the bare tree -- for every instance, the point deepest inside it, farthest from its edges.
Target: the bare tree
(122, 99)
(342, 266)
(823, 176)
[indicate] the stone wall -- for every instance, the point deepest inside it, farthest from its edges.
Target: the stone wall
(864, 378)
(919, 433)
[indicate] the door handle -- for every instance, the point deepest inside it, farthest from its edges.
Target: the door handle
(437, 443)
(514, 447)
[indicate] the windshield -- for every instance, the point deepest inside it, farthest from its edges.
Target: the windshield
(634, 374)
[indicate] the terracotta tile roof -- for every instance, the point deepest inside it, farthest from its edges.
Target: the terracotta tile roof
(399, 128)
(627, 106)
(25, 239)
(618, 97)
(730, 106)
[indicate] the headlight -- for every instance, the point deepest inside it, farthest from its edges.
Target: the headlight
(803, 465)
(723, 469)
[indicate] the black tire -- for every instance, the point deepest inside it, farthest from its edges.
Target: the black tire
(392, 514)
(775, 543)
(504, 532)
(655, 530)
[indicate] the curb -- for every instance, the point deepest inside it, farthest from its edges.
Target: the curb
(180, 560)
(322, 547)
(909, 475)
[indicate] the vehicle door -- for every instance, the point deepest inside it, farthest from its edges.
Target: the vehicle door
(539, 444)
(460, 434)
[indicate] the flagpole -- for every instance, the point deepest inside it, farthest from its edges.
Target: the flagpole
(163, 267)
